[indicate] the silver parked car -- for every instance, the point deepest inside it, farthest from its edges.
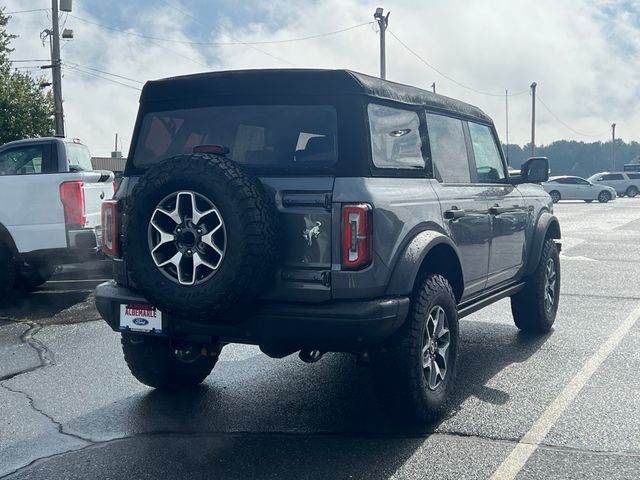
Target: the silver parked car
(577, 188)
(625, 183)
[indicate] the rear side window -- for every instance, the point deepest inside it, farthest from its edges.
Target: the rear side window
(448, 149)
(395, 137)
(289, 136)
(25, 160)
(612, 176)
(634, 176)
(489, 166)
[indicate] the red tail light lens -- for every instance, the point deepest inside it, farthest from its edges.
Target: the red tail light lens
(357, 236)
(110, 228)
(72, 197)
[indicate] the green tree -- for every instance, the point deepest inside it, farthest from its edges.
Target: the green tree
(25, 109)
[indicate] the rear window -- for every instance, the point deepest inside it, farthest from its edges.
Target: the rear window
(79, 157)
(290, 136)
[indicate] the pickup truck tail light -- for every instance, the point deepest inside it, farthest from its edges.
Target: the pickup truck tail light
(72, 197)
(357, 236)
(110, 228)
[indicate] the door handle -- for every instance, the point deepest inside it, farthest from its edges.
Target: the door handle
(497, 210)
(454, 213)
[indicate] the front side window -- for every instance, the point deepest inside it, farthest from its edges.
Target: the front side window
(22, 160)
(79, 157)
(448, 149)
(489, 166)
(288, 136)
(395, 137)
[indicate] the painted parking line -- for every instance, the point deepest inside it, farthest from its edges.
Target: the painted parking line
(518, 457)
(80, 281)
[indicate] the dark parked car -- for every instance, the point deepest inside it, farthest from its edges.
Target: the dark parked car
(313, 211)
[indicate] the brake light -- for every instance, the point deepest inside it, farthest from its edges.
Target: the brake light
(214, 149)
(72, 197)
(110, 230)
(357, 236)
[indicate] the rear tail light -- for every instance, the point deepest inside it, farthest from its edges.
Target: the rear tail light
(357, 236)
(72, 197)
(110, 229)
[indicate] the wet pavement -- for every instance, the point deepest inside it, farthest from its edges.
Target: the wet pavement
(76, 412)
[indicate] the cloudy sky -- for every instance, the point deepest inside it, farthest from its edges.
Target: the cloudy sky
(584, 55)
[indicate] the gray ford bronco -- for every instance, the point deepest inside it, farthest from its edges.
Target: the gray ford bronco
(319, 211)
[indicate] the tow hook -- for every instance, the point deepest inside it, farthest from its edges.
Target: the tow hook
(310, 356)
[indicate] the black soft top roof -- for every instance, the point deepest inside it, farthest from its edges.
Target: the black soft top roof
(299, 82)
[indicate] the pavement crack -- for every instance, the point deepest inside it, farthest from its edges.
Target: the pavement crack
(45, 355)
(56, 423)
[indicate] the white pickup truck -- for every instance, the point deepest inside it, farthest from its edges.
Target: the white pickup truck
(50, 207)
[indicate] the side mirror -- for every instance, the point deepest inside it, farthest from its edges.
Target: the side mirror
(535, 170)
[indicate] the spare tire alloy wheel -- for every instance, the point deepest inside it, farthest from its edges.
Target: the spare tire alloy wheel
(187, 238)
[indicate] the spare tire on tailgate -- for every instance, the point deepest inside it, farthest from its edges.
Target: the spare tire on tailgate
(199, 237)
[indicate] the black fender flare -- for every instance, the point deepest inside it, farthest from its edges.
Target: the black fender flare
(409, 263)
(547, 226)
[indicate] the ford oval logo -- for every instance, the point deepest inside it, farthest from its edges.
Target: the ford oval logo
(140, 321)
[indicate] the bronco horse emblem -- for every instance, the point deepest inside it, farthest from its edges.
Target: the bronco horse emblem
(311, 233)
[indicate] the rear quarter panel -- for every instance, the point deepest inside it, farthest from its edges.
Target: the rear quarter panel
(402, 207)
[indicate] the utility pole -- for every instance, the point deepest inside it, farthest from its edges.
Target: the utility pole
(433, 87)
(533, 119)
(55, 66)
(613, 147)
(383, 21)
(506, 115)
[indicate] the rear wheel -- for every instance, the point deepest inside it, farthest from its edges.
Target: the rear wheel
(7, 271)
(555, 196)
(604, 196)
(156, 363)
(632, 191)
(415, 370)
(534, 308)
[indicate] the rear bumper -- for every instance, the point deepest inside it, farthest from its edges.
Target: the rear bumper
(330, 326)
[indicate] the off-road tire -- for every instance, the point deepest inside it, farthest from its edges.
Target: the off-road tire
(528, 305)
(555, 196)
(604, 196)
(152, 361)
(36, 273)
(250, 224)
(631, 191)
(7, 271)
(398, 370)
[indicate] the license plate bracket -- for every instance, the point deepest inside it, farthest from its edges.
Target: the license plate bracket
(140, 317)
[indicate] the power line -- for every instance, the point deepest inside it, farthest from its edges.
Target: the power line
(25, 61)
(447, 76)
(218, 44)
(105, 72)
(28, 11)
(568, 126)
(78, 70)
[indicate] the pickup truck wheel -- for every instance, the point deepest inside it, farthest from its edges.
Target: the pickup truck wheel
(200, 237)
(153, 362)
(7, 272)
(33, 274)
(534, 308)
(414, 371)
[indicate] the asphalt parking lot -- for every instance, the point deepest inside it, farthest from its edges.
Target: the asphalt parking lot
(566, 405)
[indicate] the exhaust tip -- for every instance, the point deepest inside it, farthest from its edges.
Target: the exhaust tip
(310, 356)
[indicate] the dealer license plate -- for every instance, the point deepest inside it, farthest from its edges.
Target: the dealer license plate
(140, 317)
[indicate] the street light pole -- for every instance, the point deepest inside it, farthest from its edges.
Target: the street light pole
(55, 70)
(383, 21)
(533, 119)
(613, 147)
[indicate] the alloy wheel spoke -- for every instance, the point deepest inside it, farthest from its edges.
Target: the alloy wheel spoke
(433, 375)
